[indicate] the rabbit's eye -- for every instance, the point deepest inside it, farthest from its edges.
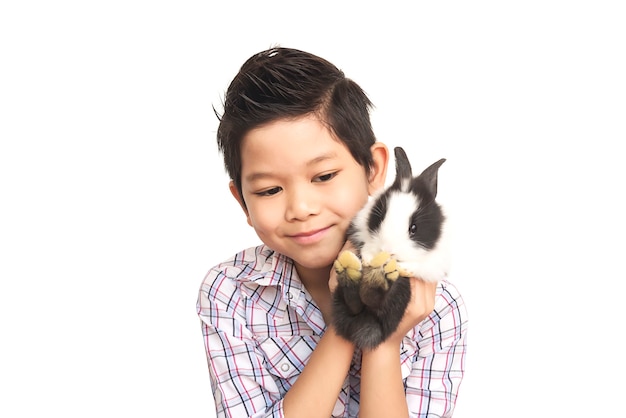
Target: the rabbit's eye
(412, 229)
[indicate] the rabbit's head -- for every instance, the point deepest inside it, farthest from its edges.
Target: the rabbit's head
(405, 221)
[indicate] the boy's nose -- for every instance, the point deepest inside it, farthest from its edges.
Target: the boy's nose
(301, 204)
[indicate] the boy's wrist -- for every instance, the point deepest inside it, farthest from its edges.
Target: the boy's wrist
(338, 339)
(389, 347)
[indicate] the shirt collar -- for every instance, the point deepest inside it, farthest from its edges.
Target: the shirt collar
(273, 269)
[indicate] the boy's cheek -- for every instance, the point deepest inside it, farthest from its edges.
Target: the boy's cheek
(261, 218)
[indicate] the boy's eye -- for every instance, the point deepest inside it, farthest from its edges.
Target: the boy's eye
(325, 177)
(269, 192)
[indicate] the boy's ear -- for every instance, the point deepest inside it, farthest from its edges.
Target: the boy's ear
(237, 196)
(378, 172)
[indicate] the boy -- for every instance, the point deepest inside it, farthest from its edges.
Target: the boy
(298, 145)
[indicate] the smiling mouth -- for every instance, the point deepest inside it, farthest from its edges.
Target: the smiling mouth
(310, 237)
(308, 233)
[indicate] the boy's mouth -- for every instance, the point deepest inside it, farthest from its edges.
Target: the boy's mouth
(310, 237)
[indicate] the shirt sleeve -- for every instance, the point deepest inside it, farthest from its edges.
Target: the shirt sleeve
(242, 386)
(439, 364)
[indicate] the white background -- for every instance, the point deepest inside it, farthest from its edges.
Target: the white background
(115, 203)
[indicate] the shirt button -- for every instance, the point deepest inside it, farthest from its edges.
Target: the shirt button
(290, 295)
(284, 367)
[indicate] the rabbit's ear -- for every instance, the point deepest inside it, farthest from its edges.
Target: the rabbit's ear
(429, 177)
(403, 169)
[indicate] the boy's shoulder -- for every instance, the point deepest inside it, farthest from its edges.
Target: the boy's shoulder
(260, 265)
(252, 257)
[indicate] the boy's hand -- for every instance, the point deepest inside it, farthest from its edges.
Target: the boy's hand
(420, 306)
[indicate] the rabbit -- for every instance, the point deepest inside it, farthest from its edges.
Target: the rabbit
(398, 234)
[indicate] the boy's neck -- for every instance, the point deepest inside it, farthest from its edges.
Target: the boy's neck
(316, 283)
(313, 278)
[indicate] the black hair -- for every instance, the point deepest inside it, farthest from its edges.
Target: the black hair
(284, 83)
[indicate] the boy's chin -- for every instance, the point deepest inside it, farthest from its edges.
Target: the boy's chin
(315, 263)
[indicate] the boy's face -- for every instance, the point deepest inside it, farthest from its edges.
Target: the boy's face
(301, 188)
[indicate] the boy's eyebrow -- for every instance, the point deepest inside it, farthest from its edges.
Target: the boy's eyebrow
(328, 156)
(263, 174)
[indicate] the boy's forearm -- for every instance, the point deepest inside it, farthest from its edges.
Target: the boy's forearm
(382, 389)
(317, 389)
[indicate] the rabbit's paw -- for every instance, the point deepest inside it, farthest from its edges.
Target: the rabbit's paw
(385, 266)
(379, 259)
(378, 275)
(391, 270)
(348, 265)
(404, 273)
(347, 302)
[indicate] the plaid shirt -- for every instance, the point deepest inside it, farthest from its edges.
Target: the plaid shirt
(260, 326)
